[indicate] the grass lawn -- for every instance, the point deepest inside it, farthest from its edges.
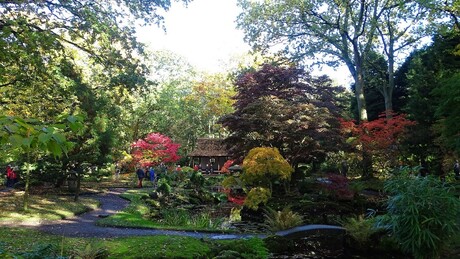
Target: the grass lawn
(18, 241)
(42, 207)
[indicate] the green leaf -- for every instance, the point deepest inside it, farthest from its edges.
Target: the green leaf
(27, 141)
(54, 148)
(60, 138)
(75, 127)
(22, 123)
(44, 138)
(12, 128)
(351, 139)
(72, 119)
(15, 140)
(59, 126)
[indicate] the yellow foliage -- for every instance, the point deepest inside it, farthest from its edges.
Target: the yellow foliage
(257, 196)
(264, 163)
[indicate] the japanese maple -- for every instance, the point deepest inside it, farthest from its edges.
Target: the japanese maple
(378, 140)
(287, 108)
(380, 134)
(154, 149)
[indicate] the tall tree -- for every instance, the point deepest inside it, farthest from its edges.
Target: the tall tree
(343, 30)
(286, 108)
(336, 31)
(36, 32)
(399, 28)
(72, 55)
(430, 77)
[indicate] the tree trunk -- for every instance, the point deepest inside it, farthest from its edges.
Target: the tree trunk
(355, 66)
(361, 100)
(26, 190)
(77, 191)
(388, 90)
(79, 171)
(27, 183)
(367, 165)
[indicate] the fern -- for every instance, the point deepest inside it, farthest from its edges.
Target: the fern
(280, 220)
(91, 251)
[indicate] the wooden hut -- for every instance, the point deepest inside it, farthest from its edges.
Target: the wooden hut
(209, 155)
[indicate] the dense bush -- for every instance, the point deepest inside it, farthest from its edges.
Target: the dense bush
(256, 197)
(164, 187)
(360, 230)
(181, 217)
(423, 214)
(338, 186)
(281, 220)
(263, 166)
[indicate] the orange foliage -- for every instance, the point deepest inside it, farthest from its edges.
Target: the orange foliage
(380, 134)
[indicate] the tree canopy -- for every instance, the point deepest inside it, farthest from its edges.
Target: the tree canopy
(337, 31)
(286, 108)
(155, 149)
(75, 57)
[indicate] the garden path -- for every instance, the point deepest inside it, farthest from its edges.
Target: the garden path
(111, 203)
(84, 225)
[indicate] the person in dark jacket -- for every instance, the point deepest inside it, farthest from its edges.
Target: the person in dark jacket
(140, 176)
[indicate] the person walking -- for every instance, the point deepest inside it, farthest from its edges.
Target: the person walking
(117, 171)
(11, 176)
(457, 170)
(140, 176)
(152, 176)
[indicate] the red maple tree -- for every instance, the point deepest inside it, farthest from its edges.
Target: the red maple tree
(154, 149)
(380, 136)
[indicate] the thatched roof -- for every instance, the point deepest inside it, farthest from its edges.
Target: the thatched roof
(207, 147)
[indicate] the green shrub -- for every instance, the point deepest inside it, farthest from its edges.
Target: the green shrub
(197, 179)
(91, 251)
(257, 196)
(280, 220)
(164, 187)
(228, 254)
(181, 217)
(360, 229)
(423, 214)
(175, 217)
(204, 220)
(187, 170)
(235, 215)
(219, 197)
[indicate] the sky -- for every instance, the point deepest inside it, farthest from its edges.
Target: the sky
(204, 32)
